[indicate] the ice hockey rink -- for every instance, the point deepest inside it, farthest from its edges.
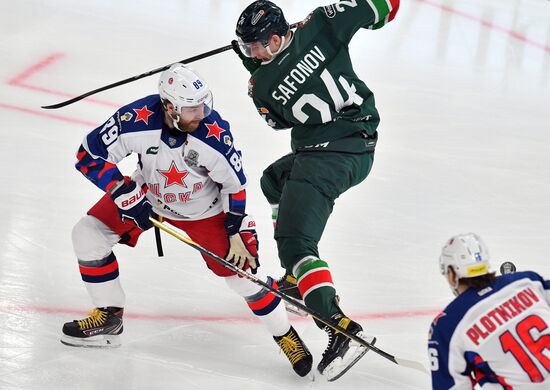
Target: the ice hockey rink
(463, 89)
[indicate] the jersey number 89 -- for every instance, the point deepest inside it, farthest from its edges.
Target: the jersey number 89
(235, 161)
(109, 132)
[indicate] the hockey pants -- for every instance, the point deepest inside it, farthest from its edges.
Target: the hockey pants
(305, 186)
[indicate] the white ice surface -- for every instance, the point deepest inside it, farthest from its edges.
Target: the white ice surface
(463, 89)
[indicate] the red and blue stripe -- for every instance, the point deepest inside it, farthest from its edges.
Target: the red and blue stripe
(99, 271)
(264, 302)
(237, 202)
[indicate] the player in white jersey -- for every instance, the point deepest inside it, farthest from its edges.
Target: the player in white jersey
(189, 173)
(496, 332)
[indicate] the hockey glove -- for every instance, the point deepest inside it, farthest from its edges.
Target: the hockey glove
(251, 64)
(243, 241)
(132, 203)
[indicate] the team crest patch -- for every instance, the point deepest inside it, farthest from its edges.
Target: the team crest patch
(251, 87)
(330, 10)
(227, 140)
(126, 117)
(192, 158)
(257, 17)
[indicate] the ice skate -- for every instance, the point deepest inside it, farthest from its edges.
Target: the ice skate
(342, 353)
(101, 329)
(287, 284)
(296, 351)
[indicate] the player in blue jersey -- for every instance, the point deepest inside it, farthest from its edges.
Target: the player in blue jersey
(496, 332)
(189, 173)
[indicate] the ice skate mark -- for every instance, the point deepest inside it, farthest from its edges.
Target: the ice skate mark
(513, 34)
(21, 80)
(47, 114)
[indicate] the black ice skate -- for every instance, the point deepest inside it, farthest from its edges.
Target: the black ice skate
(101, 329)
(287, 284)
(342, 353)
(296, 351)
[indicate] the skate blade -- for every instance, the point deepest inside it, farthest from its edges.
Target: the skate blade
(341, 365)
(101, 341)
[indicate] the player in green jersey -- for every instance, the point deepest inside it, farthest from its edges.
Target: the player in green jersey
(303, 79)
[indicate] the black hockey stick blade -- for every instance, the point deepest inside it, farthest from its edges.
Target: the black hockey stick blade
(134, 78)
(402, 362)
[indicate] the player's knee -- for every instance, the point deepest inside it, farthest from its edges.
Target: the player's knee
(269, 187)
(91, 239)
(243, 286)
(292, 250)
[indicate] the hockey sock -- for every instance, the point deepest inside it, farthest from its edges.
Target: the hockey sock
(316, 286)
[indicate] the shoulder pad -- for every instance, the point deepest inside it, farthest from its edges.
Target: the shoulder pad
(142, 115)
(215, 132)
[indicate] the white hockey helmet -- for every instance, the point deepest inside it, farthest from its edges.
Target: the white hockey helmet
(466, 254)
(184, 88)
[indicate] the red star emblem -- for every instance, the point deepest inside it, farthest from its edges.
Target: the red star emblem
(143, 114)
(174, 176)
(214, 130)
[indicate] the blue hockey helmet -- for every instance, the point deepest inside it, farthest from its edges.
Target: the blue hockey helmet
(260, 21)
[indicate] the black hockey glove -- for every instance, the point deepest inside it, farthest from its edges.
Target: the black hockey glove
(251, 64)
(243, 241)
(132, 203)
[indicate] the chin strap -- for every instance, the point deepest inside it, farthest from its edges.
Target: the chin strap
(281, 48)
(175, 121)
(454, 287)
(175, 118)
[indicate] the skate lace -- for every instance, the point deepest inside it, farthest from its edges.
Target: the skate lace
(332, 333)
(331, 339)
(292, 347)
(97, 318)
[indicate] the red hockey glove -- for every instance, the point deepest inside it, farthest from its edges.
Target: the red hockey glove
(132, 203)
(243, 241)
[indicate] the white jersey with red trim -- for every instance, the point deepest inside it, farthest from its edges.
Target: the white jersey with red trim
(187, 174)
(497, 337)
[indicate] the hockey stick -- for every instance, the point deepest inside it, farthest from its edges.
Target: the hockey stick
(402, 362)
(134, 78)
(146, 74)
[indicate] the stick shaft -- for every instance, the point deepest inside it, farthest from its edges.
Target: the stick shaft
(146, 74)
(134, 78)
(284, 297)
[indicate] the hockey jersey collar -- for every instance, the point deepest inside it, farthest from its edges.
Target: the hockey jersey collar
(172, 138)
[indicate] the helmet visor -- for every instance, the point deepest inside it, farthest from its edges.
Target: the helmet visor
(199, 111)
(252, 47)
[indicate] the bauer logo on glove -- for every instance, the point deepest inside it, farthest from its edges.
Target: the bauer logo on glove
(132, 203)
(127, 203)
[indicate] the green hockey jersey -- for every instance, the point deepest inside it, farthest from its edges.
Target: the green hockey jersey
(311, 86)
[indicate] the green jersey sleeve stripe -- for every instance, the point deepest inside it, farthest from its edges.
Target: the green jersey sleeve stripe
(381, 9)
